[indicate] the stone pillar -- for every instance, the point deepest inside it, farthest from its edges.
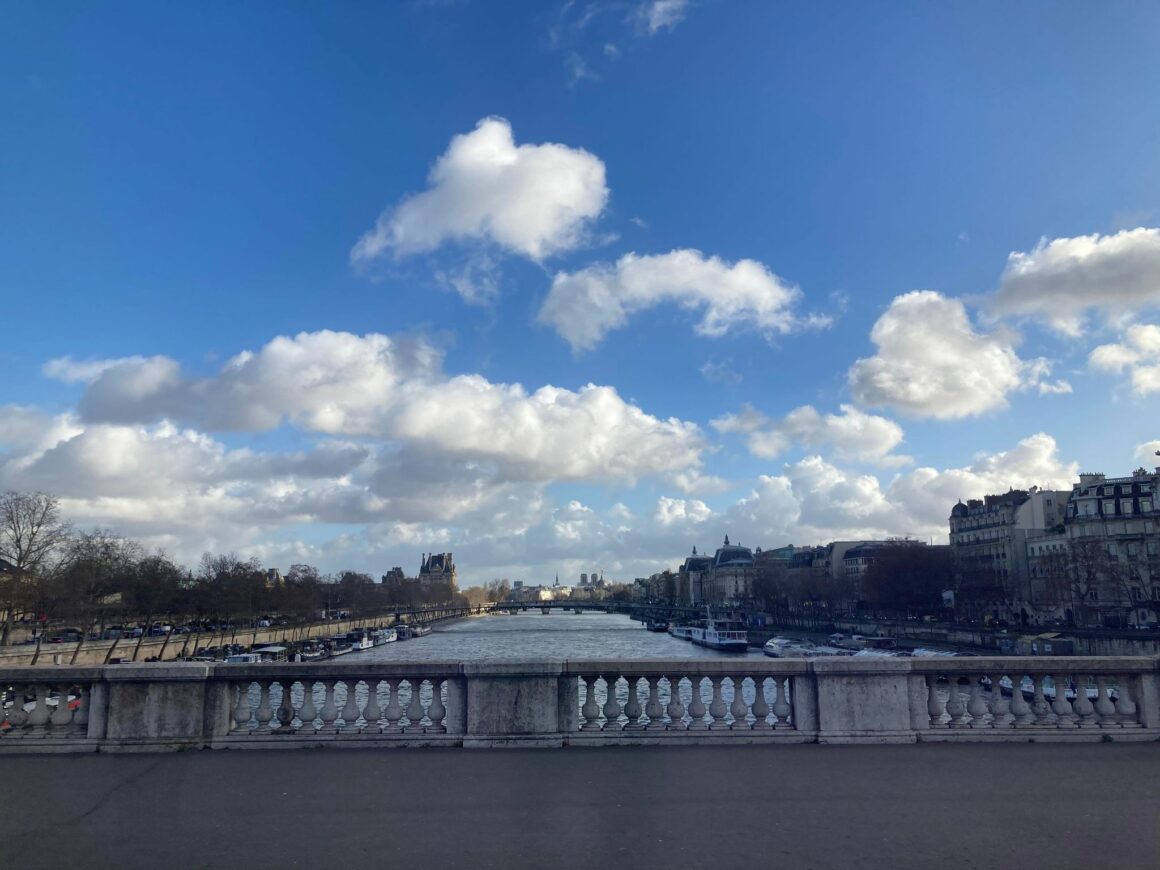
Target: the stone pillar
(513, 703)
(568, 704)
(456, 705)
(863, 700)
(156, 706)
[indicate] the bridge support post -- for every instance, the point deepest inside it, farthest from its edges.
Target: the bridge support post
(513, 704)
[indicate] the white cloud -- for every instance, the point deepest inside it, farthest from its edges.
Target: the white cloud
(1148, 454)
(853, 434)
(1063, 279)
(932, 363)
(393, 389)
(1139, 353)
(927, 494)
(721, 372)
(72, 371)
(533, 200)
(584, 306)
(663, 14)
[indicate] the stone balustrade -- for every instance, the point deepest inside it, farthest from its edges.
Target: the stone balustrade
(477, 704)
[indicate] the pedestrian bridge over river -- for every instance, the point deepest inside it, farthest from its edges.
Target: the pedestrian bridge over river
(702, 764)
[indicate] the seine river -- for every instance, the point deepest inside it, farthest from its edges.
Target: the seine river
(533, 635)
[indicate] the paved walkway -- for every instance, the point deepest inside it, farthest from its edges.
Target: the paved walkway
(925, 806)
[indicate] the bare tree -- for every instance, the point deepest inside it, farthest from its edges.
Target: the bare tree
(30, 531)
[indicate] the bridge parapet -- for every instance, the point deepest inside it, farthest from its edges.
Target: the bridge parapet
(351, 704)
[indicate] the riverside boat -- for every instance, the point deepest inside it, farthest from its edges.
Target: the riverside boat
(384, 635)
(339, 645)
(359, 641)
(420, 630)
(681, 632)
(720, 634)
(657, 625)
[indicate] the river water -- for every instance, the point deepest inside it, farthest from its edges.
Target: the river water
(551, 637)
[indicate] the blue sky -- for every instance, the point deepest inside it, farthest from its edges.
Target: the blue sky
(710, 211)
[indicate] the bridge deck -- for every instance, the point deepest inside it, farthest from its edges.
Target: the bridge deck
(689, 807)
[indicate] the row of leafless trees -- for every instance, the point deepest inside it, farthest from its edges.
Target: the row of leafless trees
(59, 576)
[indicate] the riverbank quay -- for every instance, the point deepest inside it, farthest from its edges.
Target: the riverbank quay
(543, 703)
(177, 646)
(900, 807)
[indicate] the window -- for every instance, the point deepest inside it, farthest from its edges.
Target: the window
(1137, 593)
(1126, 506)
(1145, 505)
(1109, 507)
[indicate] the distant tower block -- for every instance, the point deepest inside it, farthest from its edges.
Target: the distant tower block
(583, 579)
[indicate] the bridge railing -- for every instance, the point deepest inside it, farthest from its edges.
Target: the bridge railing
(538, 703)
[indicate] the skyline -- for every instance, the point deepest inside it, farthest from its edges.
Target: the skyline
(573, 288)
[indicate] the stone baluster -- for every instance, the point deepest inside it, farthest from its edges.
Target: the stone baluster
(1043, 716)
(285, 712)
(81, 717)
(436, 712)
(394, 711)
(1020, 709)
(782, 703)
(760, 705)
(371, 712)
(415, 708)
(242, 708)
(1061, 707)
(1084, 710)
(697, 706)
(934, 704)
(956, 709)
(307, 713)
(1105, 709)
(977, 704)
(632, 708)
(38, 718)
(717, 708)
(590, 709)
(611, 705)
(350, 708)
(1125, 706)
(17, 715)
(265, 712)
(738, 708)
(61, 717)
(1000, 707)
(676, 709)
(653, 708)
(329, 712)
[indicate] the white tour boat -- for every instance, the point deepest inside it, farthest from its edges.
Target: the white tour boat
(720, 634)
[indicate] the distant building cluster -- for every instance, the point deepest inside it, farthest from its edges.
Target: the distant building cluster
(727, 576)
(1090, 555)
(590, 588)
(435, 569)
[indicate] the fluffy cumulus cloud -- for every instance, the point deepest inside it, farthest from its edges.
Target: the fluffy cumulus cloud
(1138, 353)
(931, 362)
(852, 434)
(1148, 454)
(531, 200)
(927, 494)
(1063, 279)
(393, 389)
(586, 305)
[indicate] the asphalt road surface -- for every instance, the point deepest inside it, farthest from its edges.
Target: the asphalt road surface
(924, 806)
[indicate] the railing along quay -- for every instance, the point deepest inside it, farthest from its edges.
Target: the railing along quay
(578, 703)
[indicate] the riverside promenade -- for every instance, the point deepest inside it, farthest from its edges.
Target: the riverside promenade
(791, 806)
